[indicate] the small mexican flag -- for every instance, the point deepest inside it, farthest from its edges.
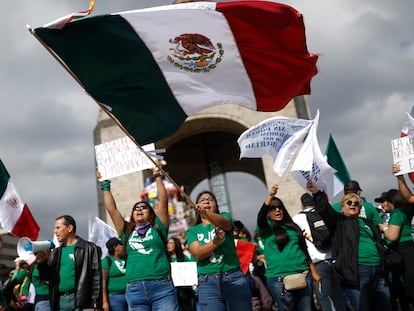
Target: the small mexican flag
(15, 216)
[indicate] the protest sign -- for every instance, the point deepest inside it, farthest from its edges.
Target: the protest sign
(184, 273)
(120, 157)
(403, 154)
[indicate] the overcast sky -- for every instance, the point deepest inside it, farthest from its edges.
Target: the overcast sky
(363, 90)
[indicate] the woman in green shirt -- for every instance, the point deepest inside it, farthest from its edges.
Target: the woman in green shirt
(398, 235)
(149, 284)
(114, 280)
(222, 285)
(185, 294)
(285, 253)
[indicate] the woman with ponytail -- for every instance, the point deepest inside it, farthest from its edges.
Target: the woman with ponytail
(285, 253)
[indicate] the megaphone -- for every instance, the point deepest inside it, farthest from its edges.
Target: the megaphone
(27, 247)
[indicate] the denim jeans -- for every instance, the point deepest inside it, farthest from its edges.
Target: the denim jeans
(330, 294)
(43, 305)
(372, 293)
(118, 302)
(227, 291)
(151, 295)
(299, 299)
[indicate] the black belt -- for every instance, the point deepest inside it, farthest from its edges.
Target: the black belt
(67, 293)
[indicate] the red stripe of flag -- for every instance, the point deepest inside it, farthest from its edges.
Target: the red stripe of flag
(26, 225)
(277, 33)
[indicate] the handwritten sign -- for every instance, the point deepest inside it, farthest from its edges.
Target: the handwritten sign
(184, 273)
(120, 157)
(403, 154)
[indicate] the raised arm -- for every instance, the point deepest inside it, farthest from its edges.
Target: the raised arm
(110, 205)
(328, 214)
(402, 185)
(162, 197)
(215, 219)
(262, 215)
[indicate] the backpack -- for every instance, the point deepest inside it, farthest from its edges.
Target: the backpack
(321, 236)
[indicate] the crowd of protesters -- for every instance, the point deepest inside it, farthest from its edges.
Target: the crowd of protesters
(281, 266)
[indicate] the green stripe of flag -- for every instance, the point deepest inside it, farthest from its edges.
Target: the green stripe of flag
(4, 179)
(335, 160)
(130, 72)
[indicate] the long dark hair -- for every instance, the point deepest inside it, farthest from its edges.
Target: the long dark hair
(198, 219)
(179, 254)
(132, 224)
(281, 236)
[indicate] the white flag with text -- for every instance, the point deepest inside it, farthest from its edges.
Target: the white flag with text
(279, 137)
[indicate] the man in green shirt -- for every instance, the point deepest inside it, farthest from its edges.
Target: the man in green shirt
(73, 270)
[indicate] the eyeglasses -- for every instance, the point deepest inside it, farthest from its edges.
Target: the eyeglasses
(275, 207)
(355, 203)
(206, 200)
(139, 208)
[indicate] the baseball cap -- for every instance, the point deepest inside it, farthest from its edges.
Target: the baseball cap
(352, 185)
(387, 196)
(381, 198)
(307, 200)
(112, 242)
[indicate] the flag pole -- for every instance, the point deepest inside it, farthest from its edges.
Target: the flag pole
(70, 72)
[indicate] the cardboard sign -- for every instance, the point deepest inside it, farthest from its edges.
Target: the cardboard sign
(184, 273)
(120, 157)
(403, 154)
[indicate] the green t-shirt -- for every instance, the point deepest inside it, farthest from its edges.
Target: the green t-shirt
(398, 218)
(24, 288)
(260, 246)
(147, 256)
(368, 211)
(40, 286)
(224, 258)
(19, 275)
(186, 259)
(116, 274)
(288, 261)
(367, 251)
(67, 268)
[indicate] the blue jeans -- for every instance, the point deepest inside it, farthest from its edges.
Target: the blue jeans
(299, 299)
(330, 294)
(117, 302)
(151, 295)
(227, 291)
(43, 305)
(372, 293)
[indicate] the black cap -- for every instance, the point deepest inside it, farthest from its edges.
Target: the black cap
(381, 198)
(112, 242)
(307, 200)
(352, 186)
(388, 196)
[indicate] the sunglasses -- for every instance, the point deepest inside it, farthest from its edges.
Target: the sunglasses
(139, 208)
(355, 203)
(206, 200)
(275, 207)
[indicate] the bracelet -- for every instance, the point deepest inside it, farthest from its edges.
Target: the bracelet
(106, 185)
(384, 229)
